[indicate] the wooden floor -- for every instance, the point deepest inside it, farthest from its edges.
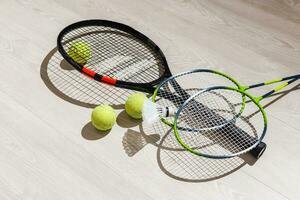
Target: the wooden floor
(48, 148)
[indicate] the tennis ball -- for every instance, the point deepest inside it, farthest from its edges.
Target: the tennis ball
(80, 52)
(103, 117)
(134, 105)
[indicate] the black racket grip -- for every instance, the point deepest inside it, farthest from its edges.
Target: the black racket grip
(258, 151)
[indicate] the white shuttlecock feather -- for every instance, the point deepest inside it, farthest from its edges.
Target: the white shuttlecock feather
(152, 112)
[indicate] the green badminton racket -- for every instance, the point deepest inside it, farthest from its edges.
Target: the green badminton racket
(244, 88)
(224, 141)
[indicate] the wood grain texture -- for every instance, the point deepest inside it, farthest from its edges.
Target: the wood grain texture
(50, 151)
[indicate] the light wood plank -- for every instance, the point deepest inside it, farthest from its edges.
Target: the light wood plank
(50, 151)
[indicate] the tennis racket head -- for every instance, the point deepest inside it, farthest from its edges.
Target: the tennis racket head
(175, 90)
(113, 53)
(210, 106)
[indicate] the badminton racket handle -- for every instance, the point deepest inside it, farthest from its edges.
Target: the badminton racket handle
(258, 150)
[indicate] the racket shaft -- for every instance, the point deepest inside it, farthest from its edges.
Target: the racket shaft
(280, 87)
(297, 76)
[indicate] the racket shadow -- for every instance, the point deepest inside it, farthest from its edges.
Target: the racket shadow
(124, 121)
(70, 85)
(174, 160)
(184, 166)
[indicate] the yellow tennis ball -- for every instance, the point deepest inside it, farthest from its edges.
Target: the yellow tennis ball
(134, 105)
(103, 117)
(80, 52)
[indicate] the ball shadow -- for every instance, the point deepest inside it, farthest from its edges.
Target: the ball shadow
(125, 121)
(90, 133)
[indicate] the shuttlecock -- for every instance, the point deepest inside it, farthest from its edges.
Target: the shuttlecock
(152, 112)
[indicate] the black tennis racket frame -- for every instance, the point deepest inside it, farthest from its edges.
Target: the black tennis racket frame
(143, 87)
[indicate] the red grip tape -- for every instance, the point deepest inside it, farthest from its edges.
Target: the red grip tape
(88, 71)
(108, 80)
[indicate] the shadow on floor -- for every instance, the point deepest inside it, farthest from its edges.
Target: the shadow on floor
(72, 86)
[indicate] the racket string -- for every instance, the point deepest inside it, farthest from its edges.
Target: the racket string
(117, 54)
(174, 92)
(216, 109)
(79, 87)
